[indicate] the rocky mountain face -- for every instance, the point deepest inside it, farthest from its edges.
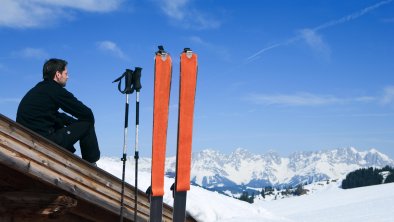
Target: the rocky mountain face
(242, 170)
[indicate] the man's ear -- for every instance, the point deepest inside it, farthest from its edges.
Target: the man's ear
(57, 75)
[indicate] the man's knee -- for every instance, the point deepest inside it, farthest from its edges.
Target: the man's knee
(82, 125)
(92, 157)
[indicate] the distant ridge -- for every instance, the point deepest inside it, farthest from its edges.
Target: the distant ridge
(242, 170)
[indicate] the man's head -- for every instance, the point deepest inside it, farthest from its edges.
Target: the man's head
(56, 69)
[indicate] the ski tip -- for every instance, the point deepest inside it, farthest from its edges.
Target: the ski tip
(161, 50)
(172, 188)
(162, 53)
(189, 52)
(149, 190)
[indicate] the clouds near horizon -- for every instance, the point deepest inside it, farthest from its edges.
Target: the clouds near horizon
(297, 99)
(310, 99)
(388, 96)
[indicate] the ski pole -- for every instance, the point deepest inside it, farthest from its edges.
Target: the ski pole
(128, 74)
(137, 86)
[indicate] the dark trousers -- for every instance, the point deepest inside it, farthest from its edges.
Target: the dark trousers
(82, 131)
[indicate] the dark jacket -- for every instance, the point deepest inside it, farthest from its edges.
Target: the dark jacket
(39, 108)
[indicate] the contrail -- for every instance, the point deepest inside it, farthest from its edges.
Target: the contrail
(352, 16)
(291, 40)
(344, 19)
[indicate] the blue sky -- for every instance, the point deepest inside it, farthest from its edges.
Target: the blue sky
(273, 75)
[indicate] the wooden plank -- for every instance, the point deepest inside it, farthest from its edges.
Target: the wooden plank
(42, 173)
(64, 218)
(83, 174)
(51, 205)
(54, 168)
(26, 160)
(83, 212)
(44, 161)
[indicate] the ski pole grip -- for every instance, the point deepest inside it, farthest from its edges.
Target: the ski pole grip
(129, 81)
(137, 79)
(128, 75)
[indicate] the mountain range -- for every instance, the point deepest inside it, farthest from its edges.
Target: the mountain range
(242, 170)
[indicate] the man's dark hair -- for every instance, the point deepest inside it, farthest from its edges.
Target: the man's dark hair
(52, 66)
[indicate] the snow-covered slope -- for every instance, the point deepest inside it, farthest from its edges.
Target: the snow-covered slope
(367, 204)
(326, 204)
(242, 170)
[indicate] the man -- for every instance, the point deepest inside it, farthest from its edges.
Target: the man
(39, 111)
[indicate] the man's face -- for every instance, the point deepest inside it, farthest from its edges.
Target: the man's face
(62, 77)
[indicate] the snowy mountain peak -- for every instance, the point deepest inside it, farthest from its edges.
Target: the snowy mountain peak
(352, 149)
(209, 152)
(324, 201)
(241, 153)
(373, 150)
(381, 155)
(240, 169)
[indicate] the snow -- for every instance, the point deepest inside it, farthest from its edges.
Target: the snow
(374, 203)
(385, 174)
(325, 203)
(383, 156)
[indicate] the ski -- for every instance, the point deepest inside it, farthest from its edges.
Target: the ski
(162, 85)
(187, 92)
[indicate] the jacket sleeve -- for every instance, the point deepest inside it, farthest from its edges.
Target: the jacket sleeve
(64, 120)
(71, 105)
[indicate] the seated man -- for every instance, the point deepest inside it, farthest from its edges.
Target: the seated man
(39, 111)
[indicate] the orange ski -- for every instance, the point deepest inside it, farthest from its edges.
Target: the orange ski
(162, 85)
(187, 92)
